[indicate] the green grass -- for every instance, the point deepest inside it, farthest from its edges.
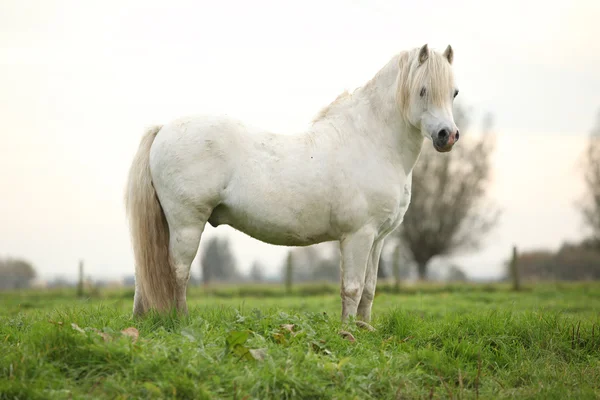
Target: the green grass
(460, 342)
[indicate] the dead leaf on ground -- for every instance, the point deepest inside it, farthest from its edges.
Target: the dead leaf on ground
(132, 333)
(280, 338)
(104, 335)
(319, 348)
(288, 327)
(258, 354)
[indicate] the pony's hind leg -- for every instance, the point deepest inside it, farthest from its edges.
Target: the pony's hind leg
(184, 242)
(186, 225)
(366, 300)
(139, 307)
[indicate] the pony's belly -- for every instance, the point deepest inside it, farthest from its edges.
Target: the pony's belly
(283, 229)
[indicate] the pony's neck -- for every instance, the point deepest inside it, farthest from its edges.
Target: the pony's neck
(372, 112)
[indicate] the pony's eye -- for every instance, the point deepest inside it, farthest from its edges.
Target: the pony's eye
(455, 93)
(423, 91)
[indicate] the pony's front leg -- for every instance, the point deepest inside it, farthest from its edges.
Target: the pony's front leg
(355, 251)
(366, 300)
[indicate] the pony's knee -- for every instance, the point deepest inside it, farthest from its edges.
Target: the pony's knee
(182, 274)
(351, 291)
(183, 247)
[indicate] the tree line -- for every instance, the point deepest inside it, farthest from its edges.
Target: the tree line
(15, 273)
(449, 213)
(580, 260)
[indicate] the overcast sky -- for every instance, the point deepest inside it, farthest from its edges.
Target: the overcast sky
(79, 81)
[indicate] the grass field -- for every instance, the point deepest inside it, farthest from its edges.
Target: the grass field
(458, 342)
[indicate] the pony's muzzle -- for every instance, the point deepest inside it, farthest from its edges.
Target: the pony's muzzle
(444, 140)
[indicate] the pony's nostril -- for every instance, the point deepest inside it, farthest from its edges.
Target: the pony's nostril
(443, 134)
(457, 135)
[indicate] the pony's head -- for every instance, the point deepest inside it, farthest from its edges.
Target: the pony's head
(425, 94)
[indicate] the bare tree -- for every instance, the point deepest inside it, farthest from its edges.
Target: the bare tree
(318, 262)
(217, 261)
(399, 258)
(257, 272)
(447, 211)
(590, 208)
(456, 274)
(15, 273)
(382, 271)
(571, 262)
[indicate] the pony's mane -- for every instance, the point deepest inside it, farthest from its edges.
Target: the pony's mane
(435, 74)
(392, 66)
(325, 110)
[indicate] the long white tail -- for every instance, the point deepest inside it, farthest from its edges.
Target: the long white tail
(154, 275)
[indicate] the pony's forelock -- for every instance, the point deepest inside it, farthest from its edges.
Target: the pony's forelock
(435, 74)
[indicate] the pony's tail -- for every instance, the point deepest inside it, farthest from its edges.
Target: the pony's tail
(154, 275)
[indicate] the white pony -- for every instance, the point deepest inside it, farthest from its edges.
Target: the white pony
(347, 178)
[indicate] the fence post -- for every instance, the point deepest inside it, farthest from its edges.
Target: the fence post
(289, 271)
(514, 271)
(396, 268)
(80, 283)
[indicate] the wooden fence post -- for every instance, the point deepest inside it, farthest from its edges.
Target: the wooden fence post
(514, 271)
(396, 268)
(289, 272)
(80, 283)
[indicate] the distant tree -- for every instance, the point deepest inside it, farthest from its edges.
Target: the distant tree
(382, 271)
(397, 266)
(590, 207)
(326, 266)
(456, 274)
(305, 259)
(400, 263)
(129, 280)
(16, 273)
(326, 270)
(217, 261)
(447, 213)
(257, 272)
(313, 263)
(572, 262)
(576, 262)
(60, 282)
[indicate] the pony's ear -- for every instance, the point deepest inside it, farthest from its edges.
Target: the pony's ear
(449, 54)
(423, 54)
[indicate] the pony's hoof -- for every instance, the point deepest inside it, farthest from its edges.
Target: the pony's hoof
(364, 325)
(347, 335)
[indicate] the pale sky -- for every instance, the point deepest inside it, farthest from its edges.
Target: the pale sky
(79, 82)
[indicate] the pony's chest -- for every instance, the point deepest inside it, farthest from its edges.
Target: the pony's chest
(398, 207)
